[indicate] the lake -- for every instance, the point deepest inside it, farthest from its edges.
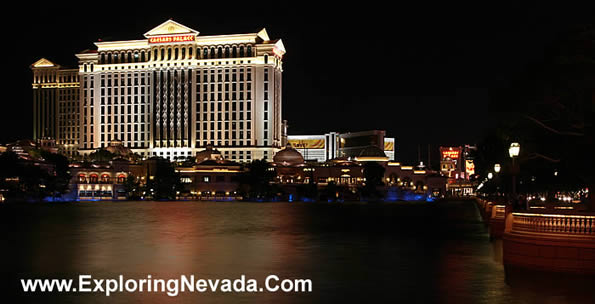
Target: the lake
(352, 252)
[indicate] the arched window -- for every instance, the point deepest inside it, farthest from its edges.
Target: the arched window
(242, 51)
(121, 178)
(205, 53)
(102, 58)
(136, 56)
(266, 58)
(190, 52)
(219, 52)
(130, 58)
(176, 51)
(226, 52)
(91, 67)
(212, 53)
(142, 56)
(85, 67)
(109, 58)
(162, 55)
(168, 53)
(105, 178)
(93, 178)
(82, 178)
(155, 54)
(234, 52)
(249, 51)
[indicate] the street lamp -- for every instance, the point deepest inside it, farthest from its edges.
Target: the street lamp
(513, 151)
(497, 168)
(490, 175)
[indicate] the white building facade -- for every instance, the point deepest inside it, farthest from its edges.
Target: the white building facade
(318, 148)
(56, 105)
(175, 92)
(322, 148)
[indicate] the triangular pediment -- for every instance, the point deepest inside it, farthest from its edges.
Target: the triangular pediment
(44, 63)
(279, 48)
(263, 35)
(170, 27)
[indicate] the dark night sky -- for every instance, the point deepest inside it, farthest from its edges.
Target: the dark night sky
(422, 72)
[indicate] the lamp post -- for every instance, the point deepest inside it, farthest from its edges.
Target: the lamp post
(513, 152)
(497, 169)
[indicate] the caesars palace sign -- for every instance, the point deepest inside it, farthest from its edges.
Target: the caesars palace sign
(170, 39)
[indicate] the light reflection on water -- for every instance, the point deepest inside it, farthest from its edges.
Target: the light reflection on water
(354, 253)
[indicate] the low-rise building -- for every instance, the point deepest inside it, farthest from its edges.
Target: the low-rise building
(101, 180)
(348, 173)
(211, 177)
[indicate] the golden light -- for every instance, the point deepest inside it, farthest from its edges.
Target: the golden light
(514, 150)
(497, 168)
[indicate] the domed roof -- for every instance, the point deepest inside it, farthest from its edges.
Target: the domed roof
(208, 154)
(371, 153)
(116, 147)
(288, 157)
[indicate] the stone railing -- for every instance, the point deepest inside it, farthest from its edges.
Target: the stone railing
(579, 225)
(499, 212)
(553, 242)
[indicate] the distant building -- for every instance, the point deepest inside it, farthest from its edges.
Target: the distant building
(316, 147)
(348, 172)
(101, 180)
(56, 104)
(331, 145)
(457, 164)
(170, 94)
(211, 178)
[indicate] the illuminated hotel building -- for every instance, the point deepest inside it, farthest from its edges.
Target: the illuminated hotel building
(332, 145)
(56, 104)
(316, 147)
(175, 92)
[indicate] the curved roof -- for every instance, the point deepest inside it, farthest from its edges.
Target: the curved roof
(371, 153)
(288, 157)
(208, 154)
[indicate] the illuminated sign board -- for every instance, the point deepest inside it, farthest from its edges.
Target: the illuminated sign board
(169, 39)
(469, 167)
(389, 145)
(307, 143)
(452, 153)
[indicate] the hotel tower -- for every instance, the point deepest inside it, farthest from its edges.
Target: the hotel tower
(171, 94)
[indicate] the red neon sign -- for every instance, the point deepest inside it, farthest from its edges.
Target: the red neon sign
(166, 39)
(452, 153)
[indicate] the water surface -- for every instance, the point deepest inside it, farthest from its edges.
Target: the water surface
(352, 252)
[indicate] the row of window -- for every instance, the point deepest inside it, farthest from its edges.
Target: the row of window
(52, 77)
(174, 53)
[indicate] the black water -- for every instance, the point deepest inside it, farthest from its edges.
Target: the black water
(352, 252)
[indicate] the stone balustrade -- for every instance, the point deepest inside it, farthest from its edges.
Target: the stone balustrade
(571, 225)
(496, 221)
(558, 242)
